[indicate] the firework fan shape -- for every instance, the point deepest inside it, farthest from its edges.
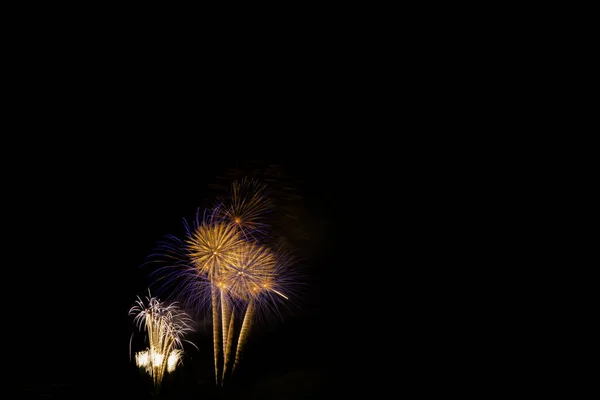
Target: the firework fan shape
(165, 326)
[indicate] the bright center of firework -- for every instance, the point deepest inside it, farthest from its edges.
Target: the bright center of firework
(214, 252)
(237, 220)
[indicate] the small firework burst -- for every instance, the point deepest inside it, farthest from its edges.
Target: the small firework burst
(165, 327)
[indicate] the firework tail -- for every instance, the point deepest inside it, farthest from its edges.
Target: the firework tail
(225, 313)
(230, 331)
(165, 351)
(215, 315)
(244, 333)
(162, 345)
(225, 316)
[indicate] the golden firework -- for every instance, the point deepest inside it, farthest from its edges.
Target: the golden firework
(212, 246)
(246, 208)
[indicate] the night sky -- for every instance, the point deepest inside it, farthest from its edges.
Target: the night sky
(93, 217)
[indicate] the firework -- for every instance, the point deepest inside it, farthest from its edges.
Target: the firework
(226, 319)
(194, 266)
(174, 359)
(241, 281)
(251, 279)
(249, 271)
(246, 208)
(165, 326)
(244, 332)
(281, 288)
(177, 277)
(228, 344)
(223, 265)
(211, 247)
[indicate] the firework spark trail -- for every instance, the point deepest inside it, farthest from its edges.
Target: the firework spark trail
(177, 275)
(246, 325)
(225, 314)
(230, 332)
(282, 287)
(215, 318)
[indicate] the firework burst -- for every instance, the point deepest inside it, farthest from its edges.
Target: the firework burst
(249, 271)
(211, 247)
(246, 208)
(165, 326)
